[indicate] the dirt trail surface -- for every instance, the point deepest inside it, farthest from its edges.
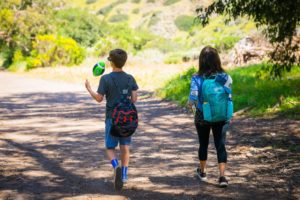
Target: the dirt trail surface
(51, 147)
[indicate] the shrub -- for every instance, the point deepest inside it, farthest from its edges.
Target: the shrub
(51, 50)
(136, 11)
(184, 22)
(135, 1)
(164, 45)
(173, 58)
(90, 1)
(105, 10)
(80, 25)
(150, 1)
(169, 2)
(118, 18)
(154, 19)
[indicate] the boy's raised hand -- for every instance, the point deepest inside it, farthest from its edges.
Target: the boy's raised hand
(87, 84)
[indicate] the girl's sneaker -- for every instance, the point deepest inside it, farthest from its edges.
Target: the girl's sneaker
(201, 175)
(223, 182)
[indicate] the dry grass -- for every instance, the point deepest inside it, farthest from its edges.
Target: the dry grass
(149, 76)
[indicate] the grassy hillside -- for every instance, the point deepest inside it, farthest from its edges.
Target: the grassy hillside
(261, 96)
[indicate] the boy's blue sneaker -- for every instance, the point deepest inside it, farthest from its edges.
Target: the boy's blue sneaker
(125, 179)
(118, 179)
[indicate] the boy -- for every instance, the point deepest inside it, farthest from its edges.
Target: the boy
(113, 86)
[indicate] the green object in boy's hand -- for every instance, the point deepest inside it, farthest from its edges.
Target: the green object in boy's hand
(99, 68)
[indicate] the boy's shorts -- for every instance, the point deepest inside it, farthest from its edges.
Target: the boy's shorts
(112, 142)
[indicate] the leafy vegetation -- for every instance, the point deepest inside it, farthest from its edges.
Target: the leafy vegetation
(170, 2)
(279, 19)
(80, 25)
(261, 95)
(118, 18)
(184, 22)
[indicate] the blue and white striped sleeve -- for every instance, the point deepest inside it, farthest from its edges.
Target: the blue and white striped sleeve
(193, 97)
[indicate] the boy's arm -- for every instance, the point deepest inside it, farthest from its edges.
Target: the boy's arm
(133, 96)
(98, 97)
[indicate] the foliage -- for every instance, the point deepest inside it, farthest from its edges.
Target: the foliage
(20, 22)
(170, 2)
(135, 1)
(263, 96)
(122, 36)
(278, 18)
(218, 34)
(91, 1)
(173, 58)
(164, 45)
(154, 19)
(105, 10)
(53, 50)
(184, 22)
(80, 25)
(136, 11)
(118, 18)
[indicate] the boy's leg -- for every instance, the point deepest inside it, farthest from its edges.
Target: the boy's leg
(125, 154)
(111, 143)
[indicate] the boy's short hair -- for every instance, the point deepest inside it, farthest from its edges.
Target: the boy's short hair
(118, 57)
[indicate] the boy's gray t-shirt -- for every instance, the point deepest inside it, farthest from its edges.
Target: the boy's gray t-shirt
(108, 88)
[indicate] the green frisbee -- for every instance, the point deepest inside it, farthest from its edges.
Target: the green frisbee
(99, 68)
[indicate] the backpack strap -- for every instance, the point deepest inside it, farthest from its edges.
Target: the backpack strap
(122, 96)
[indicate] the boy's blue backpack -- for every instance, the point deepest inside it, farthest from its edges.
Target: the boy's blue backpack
(215, 100)
(124, 116)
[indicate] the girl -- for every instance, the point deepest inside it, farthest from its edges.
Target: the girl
(210, 69)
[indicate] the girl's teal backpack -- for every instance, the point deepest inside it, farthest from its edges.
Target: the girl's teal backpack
(215, 99)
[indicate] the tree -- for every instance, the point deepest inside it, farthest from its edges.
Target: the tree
(279, 20)
(20, 22)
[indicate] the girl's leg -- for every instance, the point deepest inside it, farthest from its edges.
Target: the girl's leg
(219, 133)
(203, 136)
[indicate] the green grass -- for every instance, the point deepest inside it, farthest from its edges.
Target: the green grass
(261, 96)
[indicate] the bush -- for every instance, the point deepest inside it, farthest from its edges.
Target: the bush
(173, 58)
(90, 1)
(184, 22)
(80, 25)
(164, 45)
(263, 96)
(177, 88)
(121, 35)
(135, 1)
(118, 18)
(136, 11)
(169, 2)
(150, 1)
(53, 50)
(154, 19)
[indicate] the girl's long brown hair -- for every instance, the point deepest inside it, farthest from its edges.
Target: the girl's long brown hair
(209, 62)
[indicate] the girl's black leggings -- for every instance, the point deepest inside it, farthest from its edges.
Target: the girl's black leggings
(219, 133)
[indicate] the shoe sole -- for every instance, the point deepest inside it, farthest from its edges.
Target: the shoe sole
(223, 185)
(118, 179)
(201, 178)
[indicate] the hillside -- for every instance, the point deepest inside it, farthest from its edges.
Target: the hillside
(158, 16)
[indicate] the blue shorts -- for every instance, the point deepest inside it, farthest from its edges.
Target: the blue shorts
(112, 142)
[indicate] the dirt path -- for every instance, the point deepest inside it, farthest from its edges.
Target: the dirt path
(51, 147)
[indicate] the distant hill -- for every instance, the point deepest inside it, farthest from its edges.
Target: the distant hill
(158, 16)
